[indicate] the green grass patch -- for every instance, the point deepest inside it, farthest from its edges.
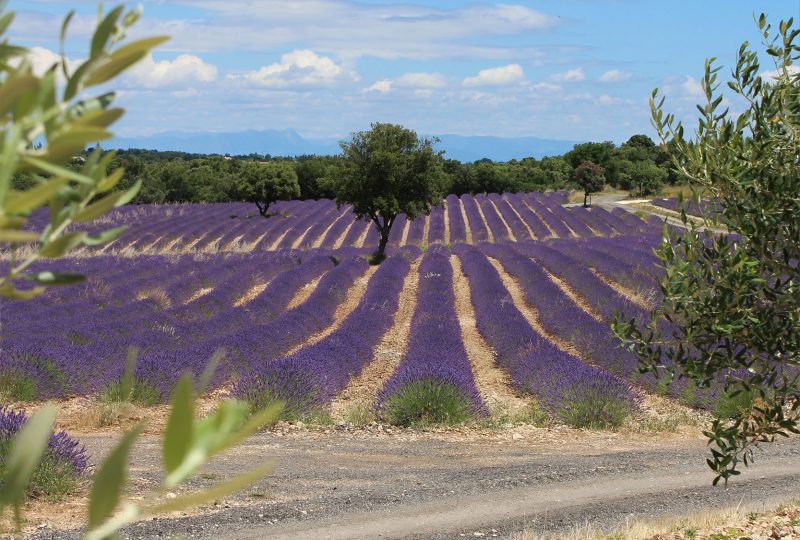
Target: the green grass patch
(592, 408)
(17, 386)
(136, 391)
(426, 402)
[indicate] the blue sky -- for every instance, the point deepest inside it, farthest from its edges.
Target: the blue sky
(570, 69)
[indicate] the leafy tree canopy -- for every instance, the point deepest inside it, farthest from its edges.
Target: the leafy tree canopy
(590, 176)
(386, 171)
(265, 183)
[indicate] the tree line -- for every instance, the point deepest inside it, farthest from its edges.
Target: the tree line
(638, 165)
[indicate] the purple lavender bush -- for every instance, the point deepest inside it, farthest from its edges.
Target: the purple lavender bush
(60, 470)
(309, 378)
(433, 383)
(574, 392)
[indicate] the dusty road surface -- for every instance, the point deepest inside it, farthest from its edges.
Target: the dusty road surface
(370, 484)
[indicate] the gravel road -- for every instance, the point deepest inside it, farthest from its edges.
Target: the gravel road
(374, 484)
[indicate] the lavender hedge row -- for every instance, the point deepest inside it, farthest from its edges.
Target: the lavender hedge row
(476, 224)
(436, 229)
(312, 376)
(434, 380)
(514, 222)
(458, 229)
(569, 389)
(540, 230)
(496, 225)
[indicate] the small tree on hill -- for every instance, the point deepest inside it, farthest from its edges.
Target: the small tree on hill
(733, 300)
(647, 176)
(386, 171)
(591, 177)
(265, 183)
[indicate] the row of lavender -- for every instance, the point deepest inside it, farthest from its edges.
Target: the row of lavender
(161, 311)
(702, 208)
(211, 228)
(176, 310)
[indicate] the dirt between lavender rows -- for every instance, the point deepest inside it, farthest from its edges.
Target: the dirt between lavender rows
(381, 482)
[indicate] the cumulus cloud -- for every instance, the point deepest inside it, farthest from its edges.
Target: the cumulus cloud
(301, 67)
(572, 75)
(605, 99)
(184, 70)
(421, 80)
(691, 87)
(383, 86)
(793, 70)
(614, 76)
(496, 76)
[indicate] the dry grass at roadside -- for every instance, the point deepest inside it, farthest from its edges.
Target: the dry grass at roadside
(751, 522)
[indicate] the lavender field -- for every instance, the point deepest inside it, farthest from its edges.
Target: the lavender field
(303, 318)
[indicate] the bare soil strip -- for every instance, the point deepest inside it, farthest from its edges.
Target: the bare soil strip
(296, 243)
(544, 220)
(190, 246)
(363, 388)
(505, 223)
(404, 236)
(252, 245)
(304, 292)
(321, 237)
(212, 247)
(446, 225)
(493, 383)
(530, 313)
(200, 293)
(340, 240)
(233, 245)
(489, 232)
(254, 291)
(467, 230)
(426, 230)
(351, 300)
(575, 297)
(363, 238)
(637, 297)
(278, 240)
(525, 223)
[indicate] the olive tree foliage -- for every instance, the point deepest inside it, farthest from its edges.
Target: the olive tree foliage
(33, 108)
(264, 183)
(387, 171)
(591, 177)
(733, 299)
(37, 108)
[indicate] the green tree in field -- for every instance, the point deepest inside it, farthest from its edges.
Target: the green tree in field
(387, 171)
(733, 299)
(264, 183)
(647, 176)
(590, 176)
(33, 107)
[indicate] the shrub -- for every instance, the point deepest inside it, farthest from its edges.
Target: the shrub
(426, 401)
(62, 466)
(593, 407)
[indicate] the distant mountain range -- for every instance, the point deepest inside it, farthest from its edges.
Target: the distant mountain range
(287, 142)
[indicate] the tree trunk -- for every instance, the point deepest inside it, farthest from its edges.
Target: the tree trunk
(262, 209)
(380, 252)
(585, 198)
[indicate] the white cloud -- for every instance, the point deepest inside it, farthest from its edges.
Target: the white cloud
(496, 76)
(383, 86)
(614, 76)
(691, 87)
(301, 67)
(793, 70)
(547, 87)
(180, 72)
(605, 99)
(421, 80)
(572, 75)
